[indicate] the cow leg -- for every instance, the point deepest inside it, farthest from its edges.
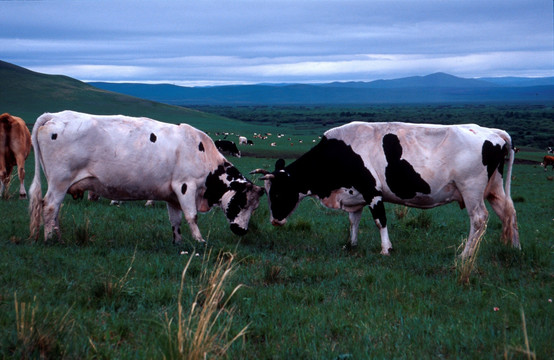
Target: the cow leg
(175, 215)
(4, 184)
(503, 206)
(5, 178)
(354, 218)
(51, 208)
(187, 199)
(377, 208)
(20, 160)
(478, 216)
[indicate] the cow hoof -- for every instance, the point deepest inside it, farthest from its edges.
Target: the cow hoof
(386, 252)
(23, 196)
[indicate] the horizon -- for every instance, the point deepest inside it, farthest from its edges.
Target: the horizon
(314, 82)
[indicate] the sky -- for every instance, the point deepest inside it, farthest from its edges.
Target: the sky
(215, 42)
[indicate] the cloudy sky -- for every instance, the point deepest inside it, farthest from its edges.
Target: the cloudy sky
(203, 42)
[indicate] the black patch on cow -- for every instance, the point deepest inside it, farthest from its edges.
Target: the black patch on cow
(238, 230)
(233, 174)
(400, 175)
(153, 137)
(215, 187)
(237, 203)
(493, 157)
(201, 147)
(54, 136)
(183, 189)
(328, 166)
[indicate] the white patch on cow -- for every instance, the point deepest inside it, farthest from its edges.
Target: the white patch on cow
(375, 201)
(225, 199)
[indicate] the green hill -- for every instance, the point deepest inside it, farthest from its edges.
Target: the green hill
(29, 94)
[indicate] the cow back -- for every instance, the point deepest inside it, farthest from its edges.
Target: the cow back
(138, 154)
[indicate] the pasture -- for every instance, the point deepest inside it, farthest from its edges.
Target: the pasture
(111, 289)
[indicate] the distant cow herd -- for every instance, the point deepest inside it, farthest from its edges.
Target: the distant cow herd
(353, 166)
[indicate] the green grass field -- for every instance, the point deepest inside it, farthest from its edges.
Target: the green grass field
(112, 288)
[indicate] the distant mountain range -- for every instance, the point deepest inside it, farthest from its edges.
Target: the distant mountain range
(434, 88)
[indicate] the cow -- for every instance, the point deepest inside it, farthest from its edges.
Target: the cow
(417, 165)
(227, 146)
(15, 146)
(547, 160)
(126, 158)
(242, 140)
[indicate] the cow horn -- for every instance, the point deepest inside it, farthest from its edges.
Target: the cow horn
(267, 177)
(259, 171)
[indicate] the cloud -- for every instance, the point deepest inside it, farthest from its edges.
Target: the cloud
(280, 40)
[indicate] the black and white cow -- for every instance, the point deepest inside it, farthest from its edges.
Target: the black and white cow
(417, 165)
(125, 158)
(227, 146)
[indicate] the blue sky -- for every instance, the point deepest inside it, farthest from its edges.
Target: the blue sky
(203, 42)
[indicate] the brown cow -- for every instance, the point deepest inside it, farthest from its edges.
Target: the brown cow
(548, 160)
(15, 145)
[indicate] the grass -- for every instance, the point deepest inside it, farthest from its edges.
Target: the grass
(110, 290)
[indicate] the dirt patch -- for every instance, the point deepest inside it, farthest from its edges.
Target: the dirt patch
(526, 162)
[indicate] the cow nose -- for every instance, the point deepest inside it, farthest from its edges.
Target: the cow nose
(276, 222)
(237, 230)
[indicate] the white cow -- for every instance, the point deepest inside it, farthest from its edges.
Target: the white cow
(243, 140)
(125, 158)
(418, 165)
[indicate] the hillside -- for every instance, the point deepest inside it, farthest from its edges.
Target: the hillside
(29, 94)
(431, 89)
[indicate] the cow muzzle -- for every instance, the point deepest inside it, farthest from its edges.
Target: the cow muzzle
(237, 230)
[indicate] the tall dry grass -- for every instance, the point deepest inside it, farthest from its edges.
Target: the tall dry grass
(40, 335)
(203, 329)
(526, 350)
(466, 266)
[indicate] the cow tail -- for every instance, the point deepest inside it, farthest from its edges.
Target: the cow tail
(35, 198)
(511, 157)
(510, 231)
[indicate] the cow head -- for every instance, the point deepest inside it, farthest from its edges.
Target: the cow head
(282, 193)
(236, 195)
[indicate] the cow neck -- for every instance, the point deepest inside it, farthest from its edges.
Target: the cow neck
(308, 169)
(330, 165)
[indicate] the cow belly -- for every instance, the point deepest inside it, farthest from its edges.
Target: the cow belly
(348, 199)
(120, 191)
(446, 194)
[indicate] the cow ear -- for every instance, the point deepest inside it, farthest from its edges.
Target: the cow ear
(280, 165)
